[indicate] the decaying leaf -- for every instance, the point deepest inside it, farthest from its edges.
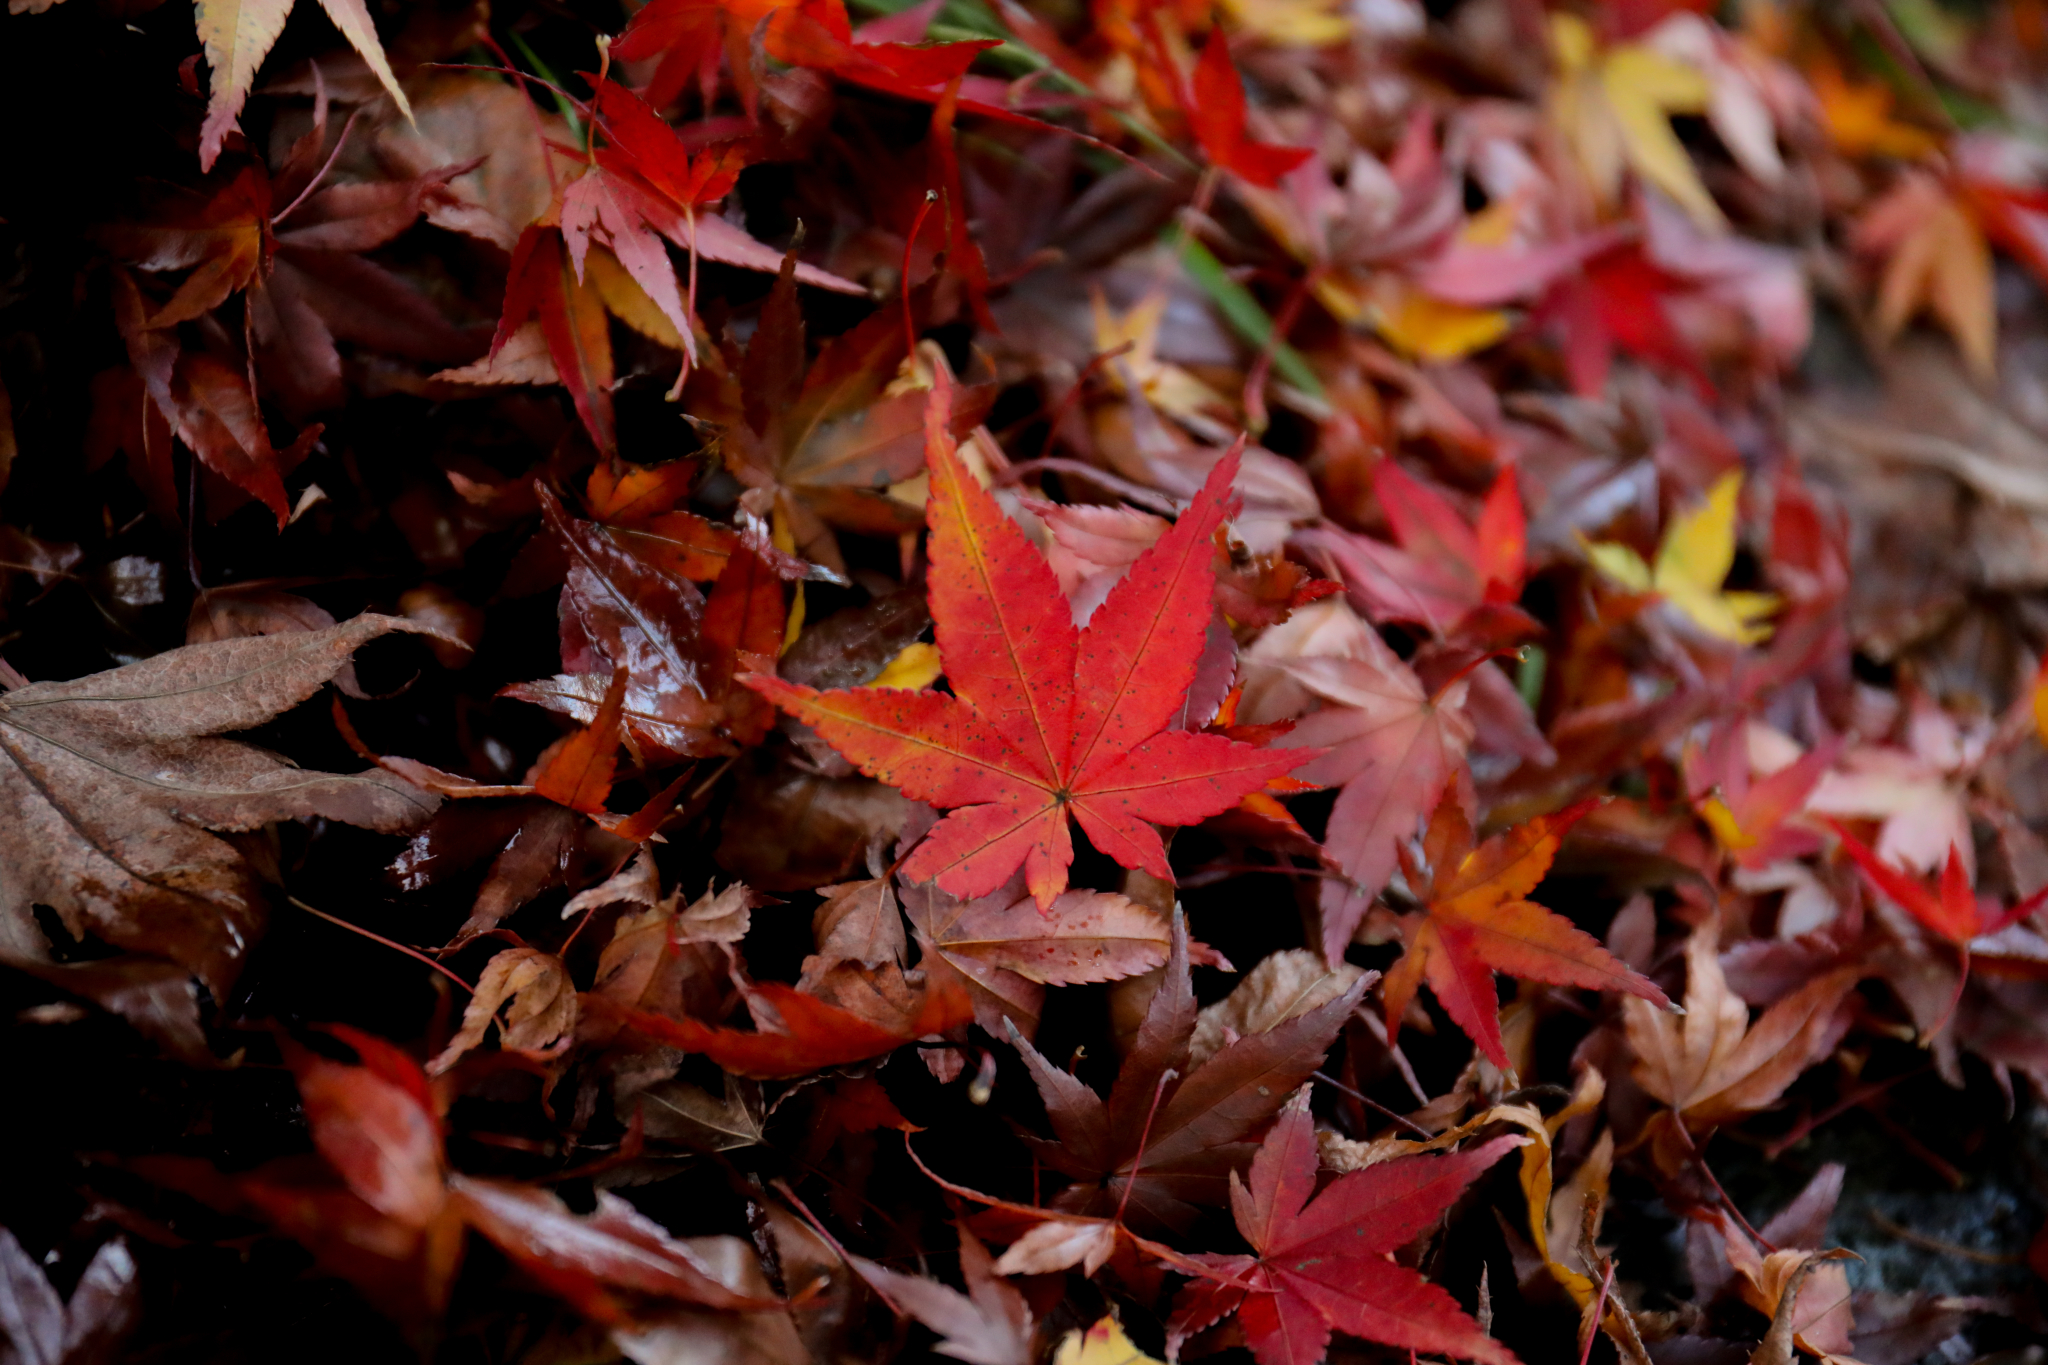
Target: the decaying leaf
(116, 779)
(1199, 1116)
(1712, 1065)
(537, 999)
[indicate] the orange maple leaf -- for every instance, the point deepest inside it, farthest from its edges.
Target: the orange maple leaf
(1478, 920)
(1044, 721)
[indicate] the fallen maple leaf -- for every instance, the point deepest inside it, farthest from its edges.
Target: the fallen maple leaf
(239, 34)
(1953, 912)
(825, 442)
(1216, 110)
(988, 1325)
(1393, 747)
(1752, 817)
(1694, 558)
(858, 923)
(1325, 1264)
(1477, 920)
(638, 506)
(1917, 789)
(114, 781)
(688, 37)
(539, 1000)
(588, 1259)
(1283, 986)
(1712, 1066)
(1614, 107)
(1008, 951)
(1936, 259)
(1620, 301)
(390, 1216)
(1042, 724)
(813, 1034)
(1168, 1133)
(679, 649)
(1858, 117)
(1445, 568)
(666, 958)
(1823, 1321)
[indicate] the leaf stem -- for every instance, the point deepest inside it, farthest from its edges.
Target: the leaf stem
(412, 953)
(1417, 1129)
(1841, 1106)
(924, 210)
(1592, 1328)
(1145, 1136)
(1699, 1159)
(321, 174)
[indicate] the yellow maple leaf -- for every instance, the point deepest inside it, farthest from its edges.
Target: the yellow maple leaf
(1692, 562)
(1614, 107)
(1102, 1344)
(1164, 385)
(915, 666)
(1936, 260)
(1302, 23)
(1429, 328)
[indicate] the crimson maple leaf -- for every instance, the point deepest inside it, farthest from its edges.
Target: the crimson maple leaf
(1445, 570)
(1394, 747)
(1617, 302)
(1216, 111)
(1044, 721)
(814, 1034)
(1479, 920)
(1951, 910)
(1323, 1264)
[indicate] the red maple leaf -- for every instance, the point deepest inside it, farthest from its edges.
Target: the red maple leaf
(1044, 721)
(1444, 569)
(1618, 302)
(1216, 111)
(814, 1034)
(1394, 747)
(1950, 910)
(1479, 920)
(1323, 1265)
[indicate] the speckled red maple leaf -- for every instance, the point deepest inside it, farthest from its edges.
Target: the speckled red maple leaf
(1044, 720)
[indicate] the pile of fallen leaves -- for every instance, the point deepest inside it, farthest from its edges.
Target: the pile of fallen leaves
(817, 680)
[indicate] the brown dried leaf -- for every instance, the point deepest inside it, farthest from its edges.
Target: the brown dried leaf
(539, 1000)
(715, 916)
(988, 1325)
(858, 923)
(1009, 953)
(687, 1115)
(1286, 984)
(114, 780)
(1712, 1065)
